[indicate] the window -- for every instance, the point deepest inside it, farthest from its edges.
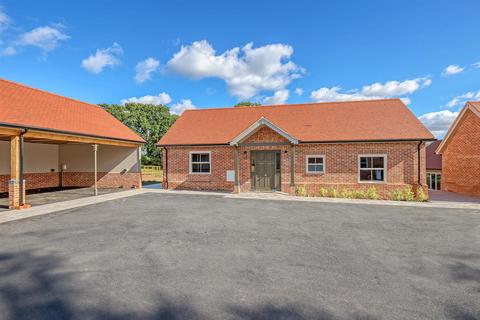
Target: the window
(315, 164)
(200, 162)
(434, 181)
(372, 168)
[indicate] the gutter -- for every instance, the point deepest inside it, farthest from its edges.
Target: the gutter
(303, 142)
(166, 168)
(15, 126)
(22, 176)
(418, 163)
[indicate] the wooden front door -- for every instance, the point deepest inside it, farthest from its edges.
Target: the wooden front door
(264, 168)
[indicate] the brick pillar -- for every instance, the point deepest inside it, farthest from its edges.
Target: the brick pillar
(13, 194)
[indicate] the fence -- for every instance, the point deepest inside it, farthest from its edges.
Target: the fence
(152, 173)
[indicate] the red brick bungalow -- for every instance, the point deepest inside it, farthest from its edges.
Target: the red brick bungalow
(460, 150)
(280, 148)
(50, 141)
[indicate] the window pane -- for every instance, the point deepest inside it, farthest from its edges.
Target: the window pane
(365, 162)
(195, 157)
(205, 157)
(311, 160)
(365, 175)
(377, 175)
(439, 181)
(320, 167)
(378, 162)
(205, 168)
(315, 168)
(428, 181)
(277, 161)
(195, 167)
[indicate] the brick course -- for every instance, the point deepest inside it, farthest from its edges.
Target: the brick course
(75, 179)
(341, 162)
(461, 157)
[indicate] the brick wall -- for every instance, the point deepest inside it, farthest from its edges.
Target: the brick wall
(222, 159)
(461, 158)
(74, 179)
(341, 161)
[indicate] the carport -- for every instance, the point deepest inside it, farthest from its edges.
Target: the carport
(51, 142)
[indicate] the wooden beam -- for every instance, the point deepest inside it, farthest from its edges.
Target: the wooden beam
(15, 158)
(9, 131)
(31, 134)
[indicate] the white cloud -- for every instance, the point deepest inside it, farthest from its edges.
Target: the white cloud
(299, 91)
(438, 122)
(160, 99)
(103, 58)
(376, 90)
(462, 99)
(279, 97)
(4, 19)
(145, 68)
(476, 65)
(181, 106)
(46, 38)
(8, 51)
(246, 71)
(452, 69)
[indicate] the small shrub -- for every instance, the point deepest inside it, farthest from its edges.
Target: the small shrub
(323, 192)
(334, 193)
(359, 194)
(421, 196)
(372, 193)
(345, 193)
(408, 194)
(301, 191)
(396, 195)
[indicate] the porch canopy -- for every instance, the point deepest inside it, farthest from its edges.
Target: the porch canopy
(49, 129)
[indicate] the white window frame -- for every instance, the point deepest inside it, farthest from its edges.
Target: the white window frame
(315, 156)
(190, 161)
(385, 167)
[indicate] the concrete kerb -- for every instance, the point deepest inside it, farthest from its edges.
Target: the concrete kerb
(13, 215)
(285, 197)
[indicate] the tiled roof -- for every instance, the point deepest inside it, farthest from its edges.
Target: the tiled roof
(434, 161)
(32, 108)
(373, 120)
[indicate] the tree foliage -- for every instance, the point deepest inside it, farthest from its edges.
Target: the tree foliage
(151, 122)
(248, 104)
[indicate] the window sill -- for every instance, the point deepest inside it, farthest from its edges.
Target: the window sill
(373, 182)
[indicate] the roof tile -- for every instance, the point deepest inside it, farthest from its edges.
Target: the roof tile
(387, 119)
(33, 108)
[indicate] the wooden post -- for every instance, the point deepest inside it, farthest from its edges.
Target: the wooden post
(95, 187)
(14, 183)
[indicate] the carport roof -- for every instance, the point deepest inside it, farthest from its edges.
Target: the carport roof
(23, 106)
(369, 120)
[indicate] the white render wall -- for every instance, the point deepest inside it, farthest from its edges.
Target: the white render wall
(37, 157)
(78, 158)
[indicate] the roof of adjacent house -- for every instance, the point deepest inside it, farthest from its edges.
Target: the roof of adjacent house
(372, 120)
(474, 107)
(434, 161)
(24, 106)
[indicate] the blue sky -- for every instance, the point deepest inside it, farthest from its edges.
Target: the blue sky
(204, 54)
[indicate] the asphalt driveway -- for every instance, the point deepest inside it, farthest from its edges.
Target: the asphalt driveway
(165, 256)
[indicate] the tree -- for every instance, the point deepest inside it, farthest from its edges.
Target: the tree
(248, 104)
(151, 122)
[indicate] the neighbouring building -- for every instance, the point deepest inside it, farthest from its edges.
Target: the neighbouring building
(434, 167)
(351, 145)
(50, 141)
(460, 150)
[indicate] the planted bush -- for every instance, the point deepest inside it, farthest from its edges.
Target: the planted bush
(323, 192)
(408, 194)
(372, 193)
(301, 191)
(421, 196)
